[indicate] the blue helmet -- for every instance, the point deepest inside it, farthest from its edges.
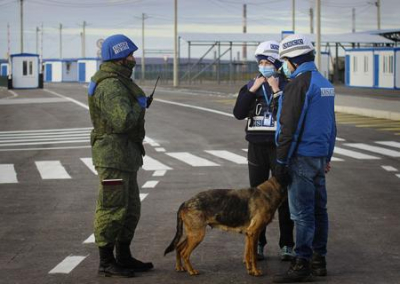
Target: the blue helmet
(117, 47)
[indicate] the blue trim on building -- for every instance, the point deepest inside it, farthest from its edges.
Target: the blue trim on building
(347, 70)
(24, 55)
(376, 70)
(81, 72)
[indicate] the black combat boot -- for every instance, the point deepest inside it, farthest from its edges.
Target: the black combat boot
(299, 271)
(318, 265)
(125, 259)
(108, 266)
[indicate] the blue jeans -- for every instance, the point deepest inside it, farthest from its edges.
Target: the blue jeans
(307, 204)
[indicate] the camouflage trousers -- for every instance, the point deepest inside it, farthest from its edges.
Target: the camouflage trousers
(117, 208)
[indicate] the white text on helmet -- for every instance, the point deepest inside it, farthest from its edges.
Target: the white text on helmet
(120, 47)
(292, 43)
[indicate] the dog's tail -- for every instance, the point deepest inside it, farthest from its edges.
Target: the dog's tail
(179, 232)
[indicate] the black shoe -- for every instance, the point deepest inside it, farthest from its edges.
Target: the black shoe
(260, 252)
(108, 266)
(125, 259)
(299, 271)
(318, 265)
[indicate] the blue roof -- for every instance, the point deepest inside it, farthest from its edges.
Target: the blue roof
(24, 55)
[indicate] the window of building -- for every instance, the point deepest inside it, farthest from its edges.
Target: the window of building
(24, 68)
(30, 67)
(391, 65)
(366, 67)
(354, 64)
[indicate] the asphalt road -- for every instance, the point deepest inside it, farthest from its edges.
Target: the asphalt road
(48, 191)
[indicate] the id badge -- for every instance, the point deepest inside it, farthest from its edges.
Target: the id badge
(268, 120)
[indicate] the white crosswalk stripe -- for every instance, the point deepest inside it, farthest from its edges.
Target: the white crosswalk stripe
(52, 170)
(89, 163)
(232, 157)
(192, 160)
(354, 154)
(68, 264)
(150, 164)
(389, 143)
(375, 149)
(8, 174)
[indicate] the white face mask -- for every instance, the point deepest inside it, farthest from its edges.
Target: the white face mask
(286, 70)
(266, 71)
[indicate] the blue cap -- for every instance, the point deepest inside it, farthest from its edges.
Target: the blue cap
(117, 47)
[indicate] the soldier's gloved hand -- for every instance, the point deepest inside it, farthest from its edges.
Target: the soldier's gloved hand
(149, 101)
(281, 174)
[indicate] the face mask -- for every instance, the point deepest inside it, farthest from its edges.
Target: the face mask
(130, 64)
(266, 71)
(286, 70)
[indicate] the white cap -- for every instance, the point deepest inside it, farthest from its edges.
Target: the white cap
(268, 49)
(295, 45)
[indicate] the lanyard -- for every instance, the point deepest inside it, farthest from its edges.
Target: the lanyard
(268, 101)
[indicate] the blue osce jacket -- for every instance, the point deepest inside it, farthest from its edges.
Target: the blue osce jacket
(306, 116)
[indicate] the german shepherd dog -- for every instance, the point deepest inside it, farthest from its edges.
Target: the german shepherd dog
(244, 211)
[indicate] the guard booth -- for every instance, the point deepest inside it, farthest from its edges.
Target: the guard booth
(86, 68)
(373, 68)
(4, 69)
(24, 71)
(60, 70)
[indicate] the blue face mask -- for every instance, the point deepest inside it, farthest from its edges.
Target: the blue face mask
(266, 71)
(286, 70)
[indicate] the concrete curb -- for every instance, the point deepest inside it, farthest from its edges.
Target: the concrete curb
(368, 112)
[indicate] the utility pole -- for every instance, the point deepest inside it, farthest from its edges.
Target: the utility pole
(61, 41)
(37, 40)
(244, 50)
(41, 51)
(176, 79)
(311, 20)
(83, 35)
(378, 10)
(22, 24)
(318, 38)
(8, 51)
(293, 16)
(143, 49)
(353, 29)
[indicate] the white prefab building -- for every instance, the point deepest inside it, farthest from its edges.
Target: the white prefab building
(3, 69)
(56, 70)
(86, 68)
(25, 70)
(325, 64)
(373, 68)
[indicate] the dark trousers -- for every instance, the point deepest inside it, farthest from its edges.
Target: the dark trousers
(261, 160)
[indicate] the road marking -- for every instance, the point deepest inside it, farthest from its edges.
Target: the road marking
(143, 196)
(45, 143)
(398, 175)
(21, 139)
(89, 240)
(68, 264)
(67, 98)
(52, 170)
(246, 150)
(160, 149)
(192, 160)
(195, 107)
(389, 143)
(340, 139)
(226, 155)
(151, 142)
(375, 149)
(49, 136)
(159, 173)
(334, 159)
(150, 164)
(48, 130)
(354, 154)
(89, 163)
(150, 184)
(48, 148)
(8, 174)
(389, 168)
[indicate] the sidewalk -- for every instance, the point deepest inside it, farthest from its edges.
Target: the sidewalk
(379, 103)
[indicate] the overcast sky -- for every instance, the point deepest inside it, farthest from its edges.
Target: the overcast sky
(106, 17)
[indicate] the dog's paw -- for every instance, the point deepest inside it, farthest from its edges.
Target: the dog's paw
(180, 268)
(255, 272)
(193, 272)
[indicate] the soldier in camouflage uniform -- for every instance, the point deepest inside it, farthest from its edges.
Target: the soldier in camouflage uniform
(117, 108)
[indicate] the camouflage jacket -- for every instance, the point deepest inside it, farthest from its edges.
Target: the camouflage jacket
(117, 109)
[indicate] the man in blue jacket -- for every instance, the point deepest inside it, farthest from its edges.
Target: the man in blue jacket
(305, 138)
